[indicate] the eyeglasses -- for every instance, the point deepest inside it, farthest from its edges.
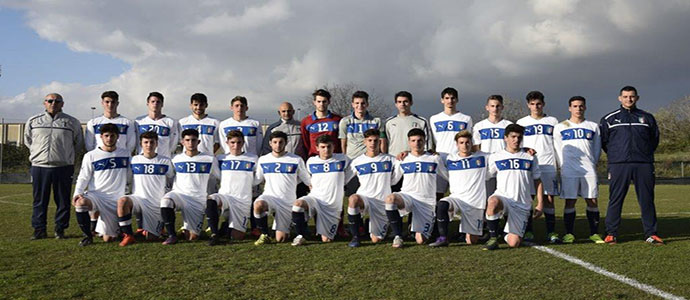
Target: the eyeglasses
(50, 101)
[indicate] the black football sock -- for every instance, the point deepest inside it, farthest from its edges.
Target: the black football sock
(569, 220)
(262, 222)
(529, 221)
(395, 221)
(355, 221)
(492, 224)
(168, 216)
(550, 219)
(212, 215)
(300, 222)
(593, 218)
(442, 218)
(140, 223)
(83, 219)
(125, 223)
(94, 222)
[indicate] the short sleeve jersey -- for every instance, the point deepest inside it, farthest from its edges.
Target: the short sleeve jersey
(376, 175)
(237, 175)
(251, 129)
(444, 127)
(515, 173)
(397, 128)
(127, 138)
(467, 177)
(420, 174)
(282, 174)
(193, 172)
(313, 127)
(577, 147)
(167, 130)
(207, 128)
(328, 178)
(539, 136)
(352, 129)
(150, 176)
(489, 136)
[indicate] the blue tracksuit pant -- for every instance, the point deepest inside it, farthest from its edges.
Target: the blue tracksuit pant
(642, 175)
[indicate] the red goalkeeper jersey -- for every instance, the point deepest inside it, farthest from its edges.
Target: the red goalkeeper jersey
(312, 128)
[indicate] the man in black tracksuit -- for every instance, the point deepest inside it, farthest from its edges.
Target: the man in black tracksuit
(630, 136)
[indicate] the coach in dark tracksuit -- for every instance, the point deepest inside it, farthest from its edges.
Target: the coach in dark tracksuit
(630, 136)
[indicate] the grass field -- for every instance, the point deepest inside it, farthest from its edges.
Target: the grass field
(60, 269)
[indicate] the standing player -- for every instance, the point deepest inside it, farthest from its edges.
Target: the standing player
(515, 171)
(235, 195)
(321, 122)
(398, 126)
(203, 123)
(127, 137)
(352, 127)
(281, 171)
(376, 175)
(417, 195)
(250, 128)
(165, 127)
(444, 126)
(329, 173)
(467, 171)
(487, 134)
(102, 179)
(539, 136)
(193, 170)
(578, 146)
(150, 174)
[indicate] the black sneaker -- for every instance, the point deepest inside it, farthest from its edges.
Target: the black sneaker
(60, 234)
(86, 241)
(213, 240)
(39, 234)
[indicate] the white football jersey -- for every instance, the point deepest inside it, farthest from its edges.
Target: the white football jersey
(444, 128)
(489, 136)
(150, 175)
(207, 128)
(193, 172)
(167, 130)
(515, 173)
(328, 178)
(539, 136)
(578, 147)
(103, 172)
(126, 140)
(419, 175)
(251, 129)
(376, 175)
(237, 175)
(467, 177)
(282, 174)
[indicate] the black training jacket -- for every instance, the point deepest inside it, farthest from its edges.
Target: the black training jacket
(629, 136)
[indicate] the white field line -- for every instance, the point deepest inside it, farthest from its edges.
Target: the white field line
(629, 281)
(15, 195)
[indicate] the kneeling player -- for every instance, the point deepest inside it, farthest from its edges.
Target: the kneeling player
(193, 170)
(329, 173)
(376, 176)
(418, 192)
(282, 171)
(234, 197)
(515, 170)
(467, 175)
(102, 179)
(150, 173)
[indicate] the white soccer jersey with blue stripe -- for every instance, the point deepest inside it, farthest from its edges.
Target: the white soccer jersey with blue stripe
(193, 172)
(577, 147)
(149, 176)
(103, 172)
(467, 177)
(444, 127)
(253, 135)
(237, 175)
(207, 128)
(420, 174)
(167, 130)
(282, 174)
(126, 140)
(539, 135)
(328, 178)
(515, 173)
(489, 136)
(376, 175)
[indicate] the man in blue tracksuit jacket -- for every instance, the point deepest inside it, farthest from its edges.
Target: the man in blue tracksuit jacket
(630, 136)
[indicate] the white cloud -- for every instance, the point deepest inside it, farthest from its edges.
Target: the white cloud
(252, 17)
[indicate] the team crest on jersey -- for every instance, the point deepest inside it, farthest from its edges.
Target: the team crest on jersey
(549, 130)
(641, 120)
(431, 168)
(589, 135)
(289, 168)
(415, 125)
(527, 165)
(203, 168)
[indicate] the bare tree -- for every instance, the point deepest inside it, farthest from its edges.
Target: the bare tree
(674, 126)
(513, 110)
(341, 100)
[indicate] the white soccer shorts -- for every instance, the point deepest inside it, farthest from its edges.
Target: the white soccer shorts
(327, 219)
(471, 218)
(282, 209)
(238, 210)
(585, 187)
(549, 182)
(150, 213)
(422, 213)
(106, 205)
(192, 208)
(518, 216)
(378, 220)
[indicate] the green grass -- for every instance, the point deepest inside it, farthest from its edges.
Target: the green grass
(60, 269)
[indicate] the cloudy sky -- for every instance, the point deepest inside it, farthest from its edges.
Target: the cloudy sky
(277, 50)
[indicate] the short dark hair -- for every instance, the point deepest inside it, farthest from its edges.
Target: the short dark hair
(405, 94)
(449, 91)
(109, 128)
(416, 132)
(576, 98)
(360, 94)
(324, 139)
(628, 88)
(151, 135)
(199, 97)
(534, 95)
(322, 93)
(155, 94)
(278, 134)
(189, 131)
(514, 128)
(235, 134)
(372, 132)
(498, 98)
(111, 94)
(463, 134)
(242, 100)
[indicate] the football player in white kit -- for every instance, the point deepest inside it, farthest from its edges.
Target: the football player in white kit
(127, 136)
(539, 136)
(165, 127)
(444, 126)
(234, 198)
(192, 172)
(487, 134)
(376, 176)
(578, 147)
(418, 193)
(467, 171)
(329, 173)
(102, 179)
(203, 123)
(282, 171)
(240, 121)
(150, 175)
(515, 171)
